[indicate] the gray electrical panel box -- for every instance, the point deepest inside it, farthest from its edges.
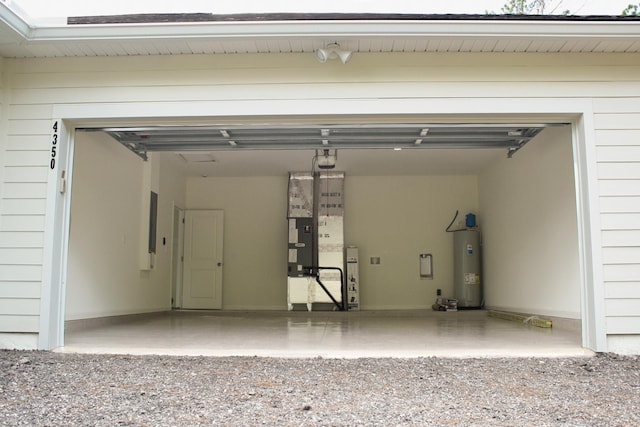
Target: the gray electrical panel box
(301, 247)
(467, 279)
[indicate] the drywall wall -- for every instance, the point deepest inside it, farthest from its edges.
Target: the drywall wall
(255, 237)
(395, 218)
(398, 218)
(104, 275)
(530, 238)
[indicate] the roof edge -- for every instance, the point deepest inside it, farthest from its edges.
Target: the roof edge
(13, 20)
(342, 29)
(158, 18)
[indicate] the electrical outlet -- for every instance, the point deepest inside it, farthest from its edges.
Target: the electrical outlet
(439, 292)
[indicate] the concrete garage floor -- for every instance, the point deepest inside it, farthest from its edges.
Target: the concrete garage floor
(420, 333)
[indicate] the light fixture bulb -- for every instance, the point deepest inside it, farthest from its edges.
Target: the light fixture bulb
(322, 55)
(344, 55)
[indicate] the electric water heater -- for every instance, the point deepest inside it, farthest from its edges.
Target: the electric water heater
(467, 286)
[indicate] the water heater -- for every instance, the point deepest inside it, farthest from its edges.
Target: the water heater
(467, 285)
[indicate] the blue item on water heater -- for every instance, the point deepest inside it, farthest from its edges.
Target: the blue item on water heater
(471, 220)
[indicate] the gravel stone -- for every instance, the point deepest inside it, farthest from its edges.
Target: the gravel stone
(54, 389)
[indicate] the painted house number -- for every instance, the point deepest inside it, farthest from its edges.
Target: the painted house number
(54, 145)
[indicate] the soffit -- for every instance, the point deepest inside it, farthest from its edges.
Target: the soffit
(290, 34)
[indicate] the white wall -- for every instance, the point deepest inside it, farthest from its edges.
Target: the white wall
(104, 276)
(397, 218)
(23, 179)
(529, 224)
(18, 297)
(618, 149)
(255, 237)
(3, 126)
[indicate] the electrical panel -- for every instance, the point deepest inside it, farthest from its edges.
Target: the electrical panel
(300, 246)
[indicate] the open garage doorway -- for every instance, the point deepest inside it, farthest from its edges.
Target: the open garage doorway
(398, 204)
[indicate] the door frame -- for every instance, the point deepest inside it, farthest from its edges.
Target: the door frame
(177, 256)
(56, 237)
(576, 111)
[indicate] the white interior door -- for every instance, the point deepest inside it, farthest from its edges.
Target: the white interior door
(202, 281)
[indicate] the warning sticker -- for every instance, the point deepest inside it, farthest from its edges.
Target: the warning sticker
(471, 278)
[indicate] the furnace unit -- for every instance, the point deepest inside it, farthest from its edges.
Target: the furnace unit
(316, 239)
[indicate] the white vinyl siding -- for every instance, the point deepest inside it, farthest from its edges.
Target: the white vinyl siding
(617, 124)
(34, 87)
(22, 217)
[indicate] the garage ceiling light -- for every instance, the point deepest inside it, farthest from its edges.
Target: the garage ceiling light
(142, 140)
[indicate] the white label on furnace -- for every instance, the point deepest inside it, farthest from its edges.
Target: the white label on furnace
(293, 255)
(293, 231)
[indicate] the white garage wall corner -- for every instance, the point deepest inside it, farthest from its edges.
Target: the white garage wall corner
(397, 219)
(171, 192)
(104, 278)
(172, 180)
(255, 237)
(528, 207)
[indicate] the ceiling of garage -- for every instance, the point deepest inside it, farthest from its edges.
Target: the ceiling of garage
(354, 162)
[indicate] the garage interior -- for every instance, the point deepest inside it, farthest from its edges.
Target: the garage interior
(404, 181)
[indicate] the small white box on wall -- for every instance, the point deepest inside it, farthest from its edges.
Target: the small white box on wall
(426, 266)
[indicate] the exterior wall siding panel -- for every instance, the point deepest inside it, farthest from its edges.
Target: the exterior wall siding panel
(618, 138)
(623, 325)
(20, 290)
(19, 323)
(618, 290)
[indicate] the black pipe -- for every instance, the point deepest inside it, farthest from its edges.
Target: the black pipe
(311, 271)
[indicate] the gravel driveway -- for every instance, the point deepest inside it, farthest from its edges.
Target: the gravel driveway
(43, 388)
